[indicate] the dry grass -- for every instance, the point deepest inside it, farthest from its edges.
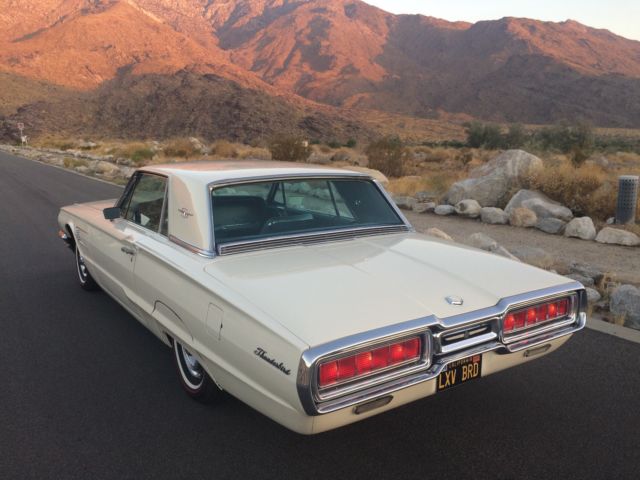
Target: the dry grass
(224, 149)
(74, 162)
(586, 190)
(437, 183)
(256, 153)
(181, 148)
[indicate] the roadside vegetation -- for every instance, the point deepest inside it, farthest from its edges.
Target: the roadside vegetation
(582, 164)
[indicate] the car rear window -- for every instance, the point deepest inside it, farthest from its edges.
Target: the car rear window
(257, 210)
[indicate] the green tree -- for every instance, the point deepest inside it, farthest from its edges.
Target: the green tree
(475, 134)
(516, 136)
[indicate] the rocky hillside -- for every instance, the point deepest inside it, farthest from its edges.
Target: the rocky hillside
(313, 58)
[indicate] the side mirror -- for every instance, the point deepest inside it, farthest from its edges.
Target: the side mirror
(111, 213)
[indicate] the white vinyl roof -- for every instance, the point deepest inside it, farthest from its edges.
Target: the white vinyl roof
(189, 206)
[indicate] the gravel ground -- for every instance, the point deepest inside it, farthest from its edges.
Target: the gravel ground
(621, 262)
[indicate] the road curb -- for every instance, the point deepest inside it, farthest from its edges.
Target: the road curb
(595, 323)
(17, 155)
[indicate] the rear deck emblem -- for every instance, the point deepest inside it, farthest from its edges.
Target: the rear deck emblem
(454, 300)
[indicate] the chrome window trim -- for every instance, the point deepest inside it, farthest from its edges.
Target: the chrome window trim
(404, 223)
(385, 384)
(231, 248)
(192, 248)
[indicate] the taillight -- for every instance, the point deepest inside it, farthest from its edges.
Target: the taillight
(368, 362)
(535, 315)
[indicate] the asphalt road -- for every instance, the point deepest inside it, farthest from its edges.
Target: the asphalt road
(86, 392)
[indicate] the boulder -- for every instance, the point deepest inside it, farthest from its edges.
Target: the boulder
(586, 270)
(581, 228)
(551, 225)
(199, 146)
(534, 256)
(404, 202)
(436, 232)
(490, 183)
(488, 191)
(444, 210)
(373, 173)
(625, 303)
(468, 208)
(542, 205)
(493, 215)
(593, 295)
(425, 196)
(423, 207)
(617, 236)
(485, 242)
(482, 241)
(584, 280)
(107, 168)
(522, 217)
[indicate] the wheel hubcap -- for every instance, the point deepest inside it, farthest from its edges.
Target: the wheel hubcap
(193, 367)
(83, 267)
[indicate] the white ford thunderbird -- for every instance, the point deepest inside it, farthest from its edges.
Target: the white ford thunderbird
(304, 292)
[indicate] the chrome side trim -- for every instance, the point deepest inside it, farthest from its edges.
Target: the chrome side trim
(191, 248)
(385, 384)
(307, 238)
(468, 343)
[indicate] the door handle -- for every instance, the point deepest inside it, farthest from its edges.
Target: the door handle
(128, 250)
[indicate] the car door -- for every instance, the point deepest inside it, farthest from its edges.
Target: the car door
(142, 211)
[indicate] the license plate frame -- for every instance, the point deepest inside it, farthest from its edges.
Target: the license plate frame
(459, 372)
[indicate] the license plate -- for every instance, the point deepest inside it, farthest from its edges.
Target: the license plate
(460, 371)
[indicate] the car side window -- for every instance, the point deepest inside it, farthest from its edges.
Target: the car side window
(146, 205)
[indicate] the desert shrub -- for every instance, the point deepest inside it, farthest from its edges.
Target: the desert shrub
(351, 143)
(334, 144)
(584, 190)
(142, 155)
(224, 148)
(289, 148)
(516, 136)
(387, 155)
(180, 147)
(437, 184)
(575, 140)
(255, 153)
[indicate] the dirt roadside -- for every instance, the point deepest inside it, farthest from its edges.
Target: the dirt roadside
(622, 262)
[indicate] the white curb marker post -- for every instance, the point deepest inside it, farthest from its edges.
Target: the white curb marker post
(23, 138)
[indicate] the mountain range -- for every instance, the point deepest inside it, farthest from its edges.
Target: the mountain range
(242, 69)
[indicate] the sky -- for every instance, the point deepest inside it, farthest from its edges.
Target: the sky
(620, 16)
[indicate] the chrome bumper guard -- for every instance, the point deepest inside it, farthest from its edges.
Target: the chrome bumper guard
(486, 341)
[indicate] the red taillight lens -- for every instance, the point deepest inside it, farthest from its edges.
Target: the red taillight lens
(364, 363)
(535, 315)
(328, 373)
(509, 322)
(563, 306)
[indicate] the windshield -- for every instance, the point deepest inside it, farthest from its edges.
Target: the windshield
(254, 211)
